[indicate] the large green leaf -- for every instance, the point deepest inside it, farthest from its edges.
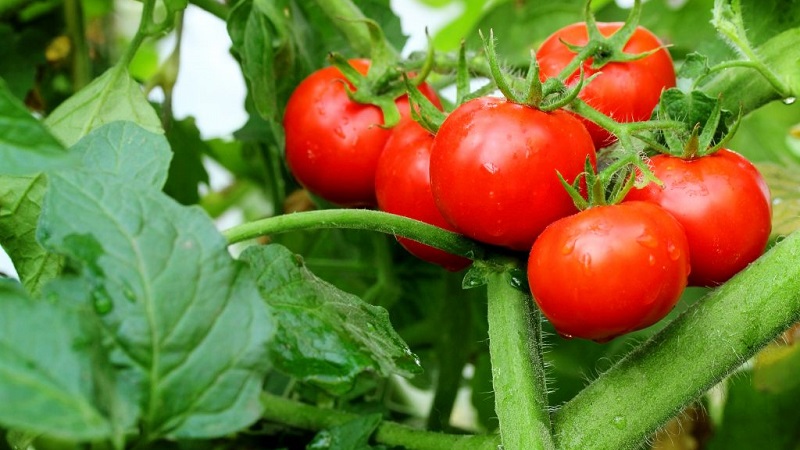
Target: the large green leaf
(186, 171)
(19, 61)
(122, 149)
(325, 336)
(112, 96)
(26, 147)
(189, 325)
(54, 378)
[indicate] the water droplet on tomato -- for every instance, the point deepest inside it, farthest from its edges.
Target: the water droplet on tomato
(789, 100)
(489, 167)
(647, 240)
(652, 260)
(568, 247)
(339, 132)
(586, 262)
(673, 251)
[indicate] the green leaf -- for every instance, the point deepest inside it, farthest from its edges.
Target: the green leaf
(176, 5)
(127, 151)
(20, 205)
(352, 435)
(53, 379)
(757, 419)
(189, 325)
(694, 66)
(112, 96)
(186, 171)
(19, 61)
(325, 336)
(26, 147)
(776, 367)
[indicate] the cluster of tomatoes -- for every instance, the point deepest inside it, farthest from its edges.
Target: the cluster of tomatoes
(492, 173)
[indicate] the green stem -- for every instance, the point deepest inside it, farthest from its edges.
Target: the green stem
(518, 374)
(81, 64)
(358, 219)
(626, 404)
(348, 18)
(214, 7)
(307, 417)
(141, 33)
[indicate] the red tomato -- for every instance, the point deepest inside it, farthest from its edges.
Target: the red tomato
(609, 270)
(625, 91)
(332, 142)
(494, 169)
(403, 187)
(723, 203)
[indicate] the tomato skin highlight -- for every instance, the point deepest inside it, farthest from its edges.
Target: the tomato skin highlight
(626, 91)
(723, 203)
(332, 142)
(609, 270)
(403, 187)
(494, 169)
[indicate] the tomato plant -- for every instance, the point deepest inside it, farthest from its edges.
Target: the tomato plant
(332, 142)
(627, 91)
(403, 186)
(723, 203)
(197, 296)
(609, 270)
(494, 169)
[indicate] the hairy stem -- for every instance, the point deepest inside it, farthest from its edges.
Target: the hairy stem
(518, 374)
(358, 219)
(625, 405)
(308, 417)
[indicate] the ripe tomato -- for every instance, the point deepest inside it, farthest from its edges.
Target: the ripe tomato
(723, 203)
(609, 270)
(403, 187)
(494, 169)
(332, 142)
(625, 91)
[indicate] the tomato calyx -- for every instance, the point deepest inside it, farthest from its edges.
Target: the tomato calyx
(602, 50)
(549, 95)
(706, 130)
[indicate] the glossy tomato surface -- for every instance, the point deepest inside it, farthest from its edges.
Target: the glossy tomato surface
(723, 203)
(333, 143)
(625, 91)
(609, 270)
(403, 187)
(494, 168)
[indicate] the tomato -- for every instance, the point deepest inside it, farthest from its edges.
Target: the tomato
(723, 203)
(403, 187)
(494, 169)
(625, 91)
(609, 270)
(332, 142)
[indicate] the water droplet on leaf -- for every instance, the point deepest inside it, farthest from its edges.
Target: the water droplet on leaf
(789, 100)
(620, 422)
(102, 304)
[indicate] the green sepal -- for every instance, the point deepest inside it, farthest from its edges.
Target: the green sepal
(422, 110)
(498, 76)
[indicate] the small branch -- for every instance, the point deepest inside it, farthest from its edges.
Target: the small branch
(81, 64)
(625, 405)
(307, 417)
(518, 374)
(358, 219)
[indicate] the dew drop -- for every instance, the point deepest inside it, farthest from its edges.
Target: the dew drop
(102, 304)
(789, 100)
(568, 247)
(489, 167)
(619, 422)
(339, 132)
(586, 262)
(647, 240)
(565, 335)
(673, 251)
(652, 260)
(129, 295)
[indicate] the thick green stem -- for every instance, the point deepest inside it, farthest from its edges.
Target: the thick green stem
(308, 417)
(214, 7)
(518, 374)
(625, 405)
(358, 219)
(81, 64)
(142, 32)
(349, 20)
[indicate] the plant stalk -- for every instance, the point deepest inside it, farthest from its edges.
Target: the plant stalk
(358, 219)
(518, 375)
(625, 405)
(307, 417)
